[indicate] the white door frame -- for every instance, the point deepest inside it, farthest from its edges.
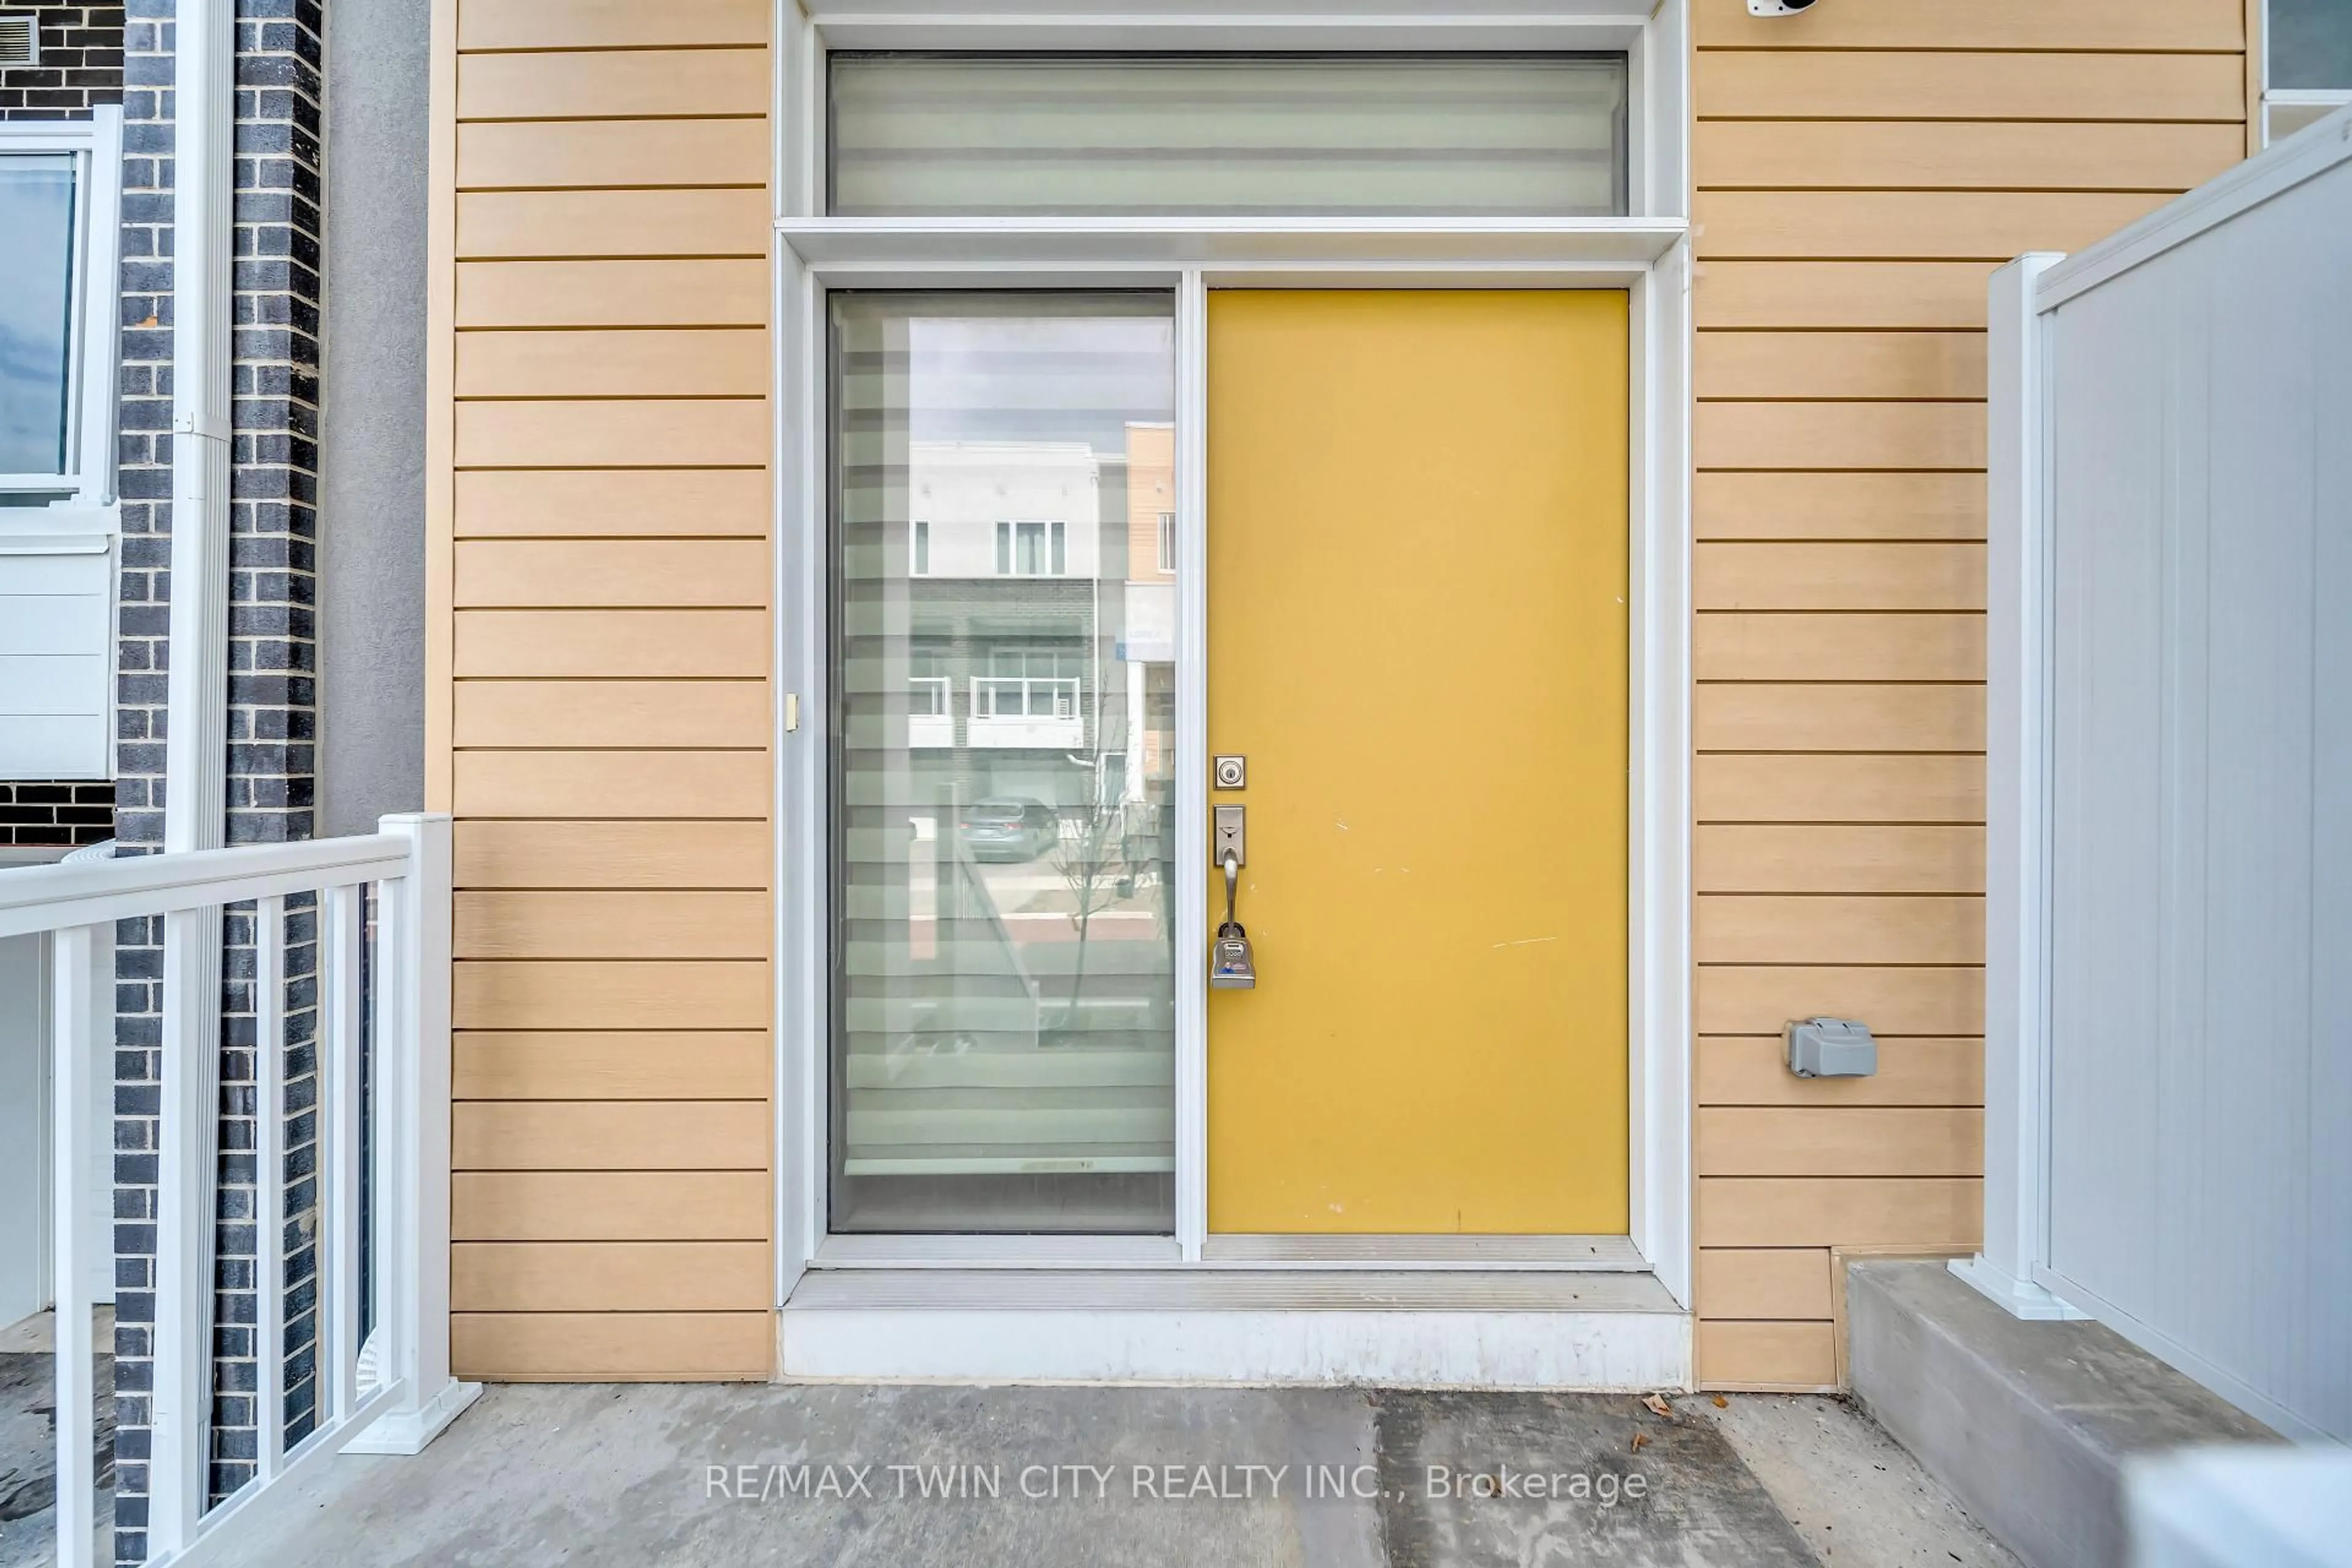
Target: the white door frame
(1647, 255)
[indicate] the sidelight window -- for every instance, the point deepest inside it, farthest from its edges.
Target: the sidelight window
(1004, 1005)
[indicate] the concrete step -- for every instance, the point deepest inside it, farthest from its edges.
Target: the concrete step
(2029, 1424)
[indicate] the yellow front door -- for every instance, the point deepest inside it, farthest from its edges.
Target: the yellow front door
(1417, 637)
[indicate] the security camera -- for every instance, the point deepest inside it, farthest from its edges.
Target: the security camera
(1777, 8)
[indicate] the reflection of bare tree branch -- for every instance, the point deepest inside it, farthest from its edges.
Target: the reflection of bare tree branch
(1087, 868)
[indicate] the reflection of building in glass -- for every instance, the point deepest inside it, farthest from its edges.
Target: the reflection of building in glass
(1005, 1017)
(1011, 622)
(1148, 651)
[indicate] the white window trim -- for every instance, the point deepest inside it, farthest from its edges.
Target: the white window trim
(1646, 254)
(2267, 97)
(1008, 546)
(97, 143)
(944, 687)
(2325, 100)
(1063, 691)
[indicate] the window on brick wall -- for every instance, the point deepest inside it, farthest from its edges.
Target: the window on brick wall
(59, 183)
(36, 257)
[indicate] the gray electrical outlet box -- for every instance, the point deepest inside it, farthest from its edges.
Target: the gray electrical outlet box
(1831, 1047)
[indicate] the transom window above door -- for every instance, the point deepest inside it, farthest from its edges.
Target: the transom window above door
(1354, 135)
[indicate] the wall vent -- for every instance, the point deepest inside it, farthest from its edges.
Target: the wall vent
(20, 41)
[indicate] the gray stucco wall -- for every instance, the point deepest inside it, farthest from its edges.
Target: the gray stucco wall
(372, 438)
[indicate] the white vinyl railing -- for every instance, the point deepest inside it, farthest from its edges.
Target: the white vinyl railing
(385, 1143)
(2169, 1010)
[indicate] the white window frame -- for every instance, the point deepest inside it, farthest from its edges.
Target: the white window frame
(919, 547)
(96, 144)
(81, 517)
(1054, 539)
(1646, 254)
(941, 687)
(2325, 99)
(1061, 691)
(1167, 527)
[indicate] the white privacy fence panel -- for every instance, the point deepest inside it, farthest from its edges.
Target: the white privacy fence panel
(2195, 532)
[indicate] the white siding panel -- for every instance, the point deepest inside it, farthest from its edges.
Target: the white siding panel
(52, 683)
(48, 746)
(49, 623)
(2201, 930)
(56, 655)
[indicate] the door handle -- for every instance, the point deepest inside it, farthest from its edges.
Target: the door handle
(1232, 966)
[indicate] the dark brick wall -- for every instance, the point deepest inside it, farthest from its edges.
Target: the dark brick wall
(56, 813)
(143, 481)
(270, 696)
(81, 65)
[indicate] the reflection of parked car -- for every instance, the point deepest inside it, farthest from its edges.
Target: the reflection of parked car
(1011, 829)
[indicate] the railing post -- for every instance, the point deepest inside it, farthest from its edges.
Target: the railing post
(180, 1406)
(412, 1009)
(2017, 763)
(73, 1077)
(341, 942)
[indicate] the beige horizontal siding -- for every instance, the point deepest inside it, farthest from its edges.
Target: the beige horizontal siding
(575, 503)
(612, 1065)
(1910, 999)
(1886, 435)
(1739, 1069)
(620, 1135)
(605, 84)
(1830, 155)
(604, 1276)
(1768, 1283)
(601, 574)
(497, 25)
(1763, 504)
(646, 363)
(607, 155)
(1821, 366)
(700, 291)
(2086, 27)
(609, 715)
(1862, 169)
(1789, 644)
(1792, 857)
(675, 782)
(624, 854)
(617, 1346)
(1773, 716)
(606, 718)
(1947, 85)
(1923, 225)
(616, 644)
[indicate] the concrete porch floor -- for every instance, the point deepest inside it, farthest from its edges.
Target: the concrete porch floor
(28, 1437)
(709, 1477)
